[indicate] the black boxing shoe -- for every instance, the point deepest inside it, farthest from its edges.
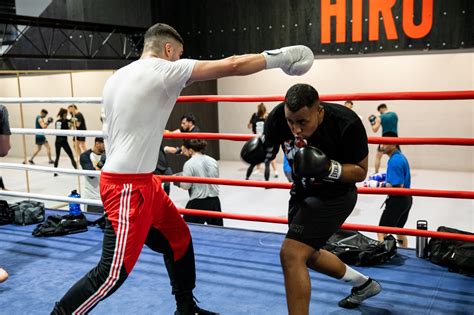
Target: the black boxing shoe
(186, 305)
(195, 310)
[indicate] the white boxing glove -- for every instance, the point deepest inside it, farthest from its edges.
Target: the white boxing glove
(373, 183)
(293, 60)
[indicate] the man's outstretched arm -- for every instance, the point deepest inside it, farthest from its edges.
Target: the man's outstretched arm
(293, 60)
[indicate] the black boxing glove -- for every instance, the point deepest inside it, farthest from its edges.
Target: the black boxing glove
(50, 120)
(253, 151)
(310, 162)
(372, 119)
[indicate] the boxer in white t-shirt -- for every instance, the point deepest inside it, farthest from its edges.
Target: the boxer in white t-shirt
(137, 102)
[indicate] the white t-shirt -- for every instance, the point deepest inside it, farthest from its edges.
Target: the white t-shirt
(137, 102)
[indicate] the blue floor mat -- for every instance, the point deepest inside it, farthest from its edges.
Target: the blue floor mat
(238, 272)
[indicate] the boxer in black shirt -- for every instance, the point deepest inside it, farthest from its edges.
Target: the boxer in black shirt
(61, 141)
(326, 145)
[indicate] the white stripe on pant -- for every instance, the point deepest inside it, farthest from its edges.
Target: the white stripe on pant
(117, 262)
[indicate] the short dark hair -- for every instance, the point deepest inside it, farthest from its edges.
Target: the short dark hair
(197, 145)
(381, 106)
(349, 101)
(72, 105)
(99, 139)
(301, 95)
(189, 117)
(44, 111)
(157, 35)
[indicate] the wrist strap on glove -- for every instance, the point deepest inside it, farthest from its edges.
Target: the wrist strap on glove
(335, 171)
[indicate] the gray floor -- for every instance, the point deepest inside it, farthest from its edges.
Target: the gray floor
(457, 213)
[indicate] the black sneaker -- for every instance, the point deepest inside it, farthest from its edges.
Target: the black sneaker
(31, 162)
(361, 293)
(186, 305)
(51, 162)
(195, 310)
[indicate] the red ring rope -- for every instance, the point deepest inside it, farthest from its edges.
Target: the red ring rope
(347, 226)
(373, 140)
(437, 95)
(362, 190)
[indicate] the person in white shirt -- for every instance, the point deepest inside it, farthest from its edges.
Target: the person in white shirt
(92, 160)
(201, 196)
(137, 102)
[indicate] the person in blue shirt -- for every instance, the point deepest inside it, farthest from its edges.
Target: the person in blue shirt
(389, 123)
(398, 175)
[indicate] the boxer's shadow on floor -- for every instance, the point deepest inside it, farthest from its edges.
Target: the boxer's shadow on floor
(363, 310)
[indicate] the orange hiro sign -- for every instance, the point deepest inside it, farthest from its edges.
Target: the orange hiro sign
(380, 14)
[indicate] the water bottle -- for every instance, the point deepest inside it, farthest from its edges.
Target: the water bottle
(421, 241)
(74, 208)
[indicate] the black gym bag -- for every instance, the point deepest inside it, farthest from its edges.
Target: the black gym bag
(58, 225)
(28, 212)
(357, 249)
(458, 256)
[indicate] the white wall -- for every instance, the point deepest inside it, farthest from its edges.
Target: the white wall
(77, 84)
(433, 72)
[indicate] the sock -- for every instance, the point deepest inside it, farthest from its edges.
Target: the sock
(355, 278)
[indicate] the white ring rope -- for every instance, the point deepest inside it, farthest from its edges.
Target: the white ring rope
(57, 132)
(47, 169)
(85, 201)
(51, 100)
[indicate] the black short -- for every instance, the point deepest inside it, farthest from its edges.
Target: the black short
(312, 220)
(209, 203)
(79, 138)
(40, 140)
(396, 211)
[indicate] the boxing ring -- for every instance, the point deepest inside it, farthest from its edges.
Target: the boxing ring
(238, 271)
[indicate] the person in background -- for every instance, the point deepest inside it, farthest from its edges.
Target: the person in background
(188, 124)
(397, 208)
(350, 104)
(257, 123)
(40, 140)
(79, 123)
(201, 196)
(389, 123)
(163, 168)
(5, 134)
(61, 141)
(92, 160)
